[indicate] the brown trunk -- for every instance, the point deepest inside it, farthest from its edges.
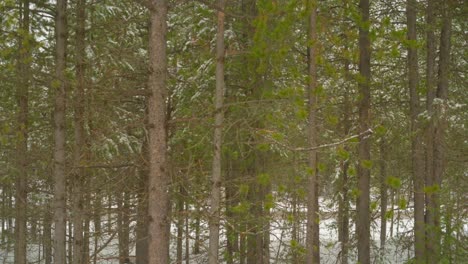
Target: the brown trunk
(59, 87)
(180, 223)
(141, 244)
(158, 194)
(383, 197)
(232, 235)
(416, 146)
(78, 172)
(312, 239)
(217, 141)
(430, 88)
(47, 236)
(440, 127)
(362, 207)
(97, 221)
(196, 244)
(141, 248)
(22, 139)
(123, 225)
(343, 204)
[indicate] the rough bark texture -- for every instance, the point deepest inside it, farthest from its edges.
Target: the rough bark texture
(417, 154)
(59, 87)
(22, 139)
(312, 239)
(158, 198)
(217, 141)
(363, 171)
(78, 151)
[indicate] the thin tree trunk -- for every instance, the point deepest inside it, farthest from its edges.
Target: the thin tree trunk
(217, 141)
(78, 172)
(312, 240)
(70, 241)
(47, 236)
(343, 207)
(383, 198)
(416, 146)
(123, 225)
(59, 85)
(87, 220)
(180, 223)
(141, 247)
(196, 244)
(187, 232)
(158, 197)
(231, 201)
(363, 210)
(430, 88)
(22, 139)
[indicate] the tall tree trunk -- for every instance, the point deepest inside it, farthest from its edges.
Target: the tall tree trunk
(343, 206)
(416, 146)
(22, 139)
(312, 239)
(383, 198)
(440, 127)
(158, 203)
(430, 89)
(79, 108)
(59, 86)
(362, 207)
(217, 141)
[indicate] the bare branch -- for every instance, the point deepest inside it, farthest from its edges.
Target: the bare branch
(288, 147)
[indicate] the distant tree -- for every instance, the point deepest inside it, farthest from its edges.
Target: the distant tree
(59, 87)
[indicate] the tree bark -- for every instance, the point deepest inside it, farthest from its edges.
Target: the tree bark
(141, 244)
(363, 210)
(180, 221)
(123, 225)
(59, 86)
(440, 128)
(430, 89)
(416, 146)
(217, 141)
(312, 238)
(158, 197)
(383, 198)
(343, 206)
(47, 236)
(78, 151)
(22, 139)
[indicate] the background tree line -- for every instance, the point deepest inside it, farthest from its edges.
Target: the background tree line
(249, 131)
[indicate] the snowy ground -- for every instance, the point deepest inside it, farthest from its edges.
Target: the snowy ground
(398, 248)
